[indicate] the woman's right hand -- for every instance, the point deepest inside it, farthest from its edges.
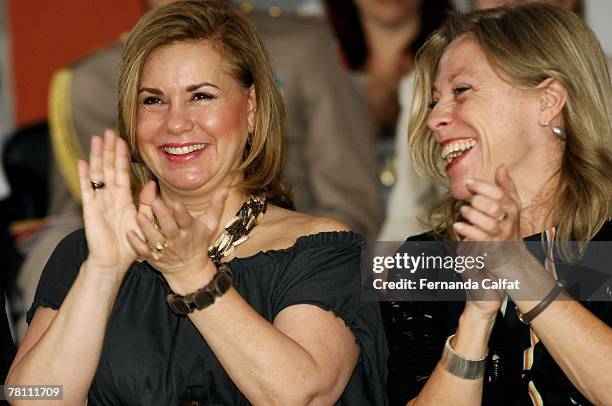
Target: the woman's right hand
(108, 212)
(491, 229)
(481, 303)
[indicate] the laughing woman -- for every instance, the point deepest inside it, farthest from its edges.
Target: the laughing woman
(512, 106)
(135, 309)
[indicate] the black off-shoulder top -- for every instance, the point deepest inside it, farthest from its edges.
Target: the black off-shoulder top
(151, 356)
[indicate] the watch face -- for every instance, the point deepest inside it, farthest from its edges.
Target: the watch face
(202, 299)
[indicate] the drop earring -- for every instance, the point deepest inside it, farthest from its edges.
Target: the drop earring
(558, 131)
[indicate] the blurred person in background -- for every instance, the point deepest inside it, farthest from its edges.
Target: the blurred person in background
(577, 6)
(377, 42)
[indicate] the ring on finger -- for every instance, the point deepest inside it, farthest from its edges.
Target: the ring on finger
(97, 184)
(502, 217)
(156, 223)
(161, 245)
(157, 253)
(159, 249)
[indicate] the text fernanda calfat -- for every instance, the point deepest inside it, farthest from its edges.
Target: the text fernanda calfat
(426, 284)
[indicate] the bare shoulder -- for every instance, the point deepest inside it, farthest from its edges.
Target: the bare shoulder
(280, 229)
(323, 224)
(304, 224)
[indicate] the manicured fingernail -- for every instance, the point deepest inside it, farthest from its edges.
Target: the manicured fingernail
(463, 209)
(469, 181)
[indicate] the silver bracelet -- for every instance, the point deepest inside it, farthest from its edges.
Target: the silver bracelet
(462, 367)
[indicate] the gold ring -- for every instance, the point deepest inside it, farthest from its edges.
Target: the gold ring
(159, 249)
(156, 254)
(156, 223)
(161, 245)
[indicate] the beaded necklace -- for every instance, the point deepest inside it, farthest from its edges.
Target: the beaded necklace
(237, 229)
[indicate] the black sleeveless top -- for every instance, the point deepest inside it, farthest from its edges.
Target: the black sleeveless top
(151, 356)
(417, 331)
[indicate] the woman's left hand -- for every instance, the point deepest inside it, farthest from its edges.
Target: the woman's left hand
(177, 244)
(492, 221)
(494, 210)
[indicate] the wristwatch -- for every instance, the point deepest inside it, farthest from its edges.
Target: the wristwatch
(202, 298)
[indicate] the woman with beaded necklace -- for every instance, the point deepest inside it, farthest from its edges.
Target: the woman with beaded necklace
(136, 309)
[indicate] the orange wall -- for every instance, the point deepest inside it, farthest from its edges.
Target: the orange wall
(47, 34)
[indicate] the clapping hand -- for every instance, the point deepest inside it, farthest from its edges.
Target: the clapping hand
(494, 210)
(491, 229)
(108, 210)
(174, 242)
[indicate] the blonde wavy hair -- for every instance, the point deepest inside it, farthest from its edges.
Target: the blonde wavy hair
(247, 61)
(529, 44)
